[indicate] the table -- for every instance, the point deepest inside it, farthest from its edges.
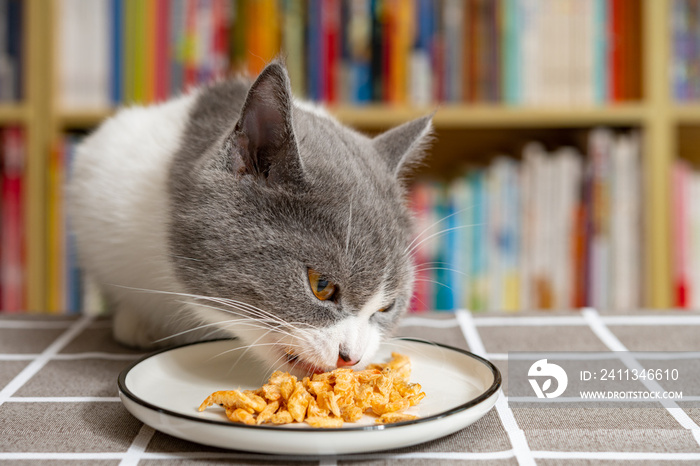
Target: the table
(58, 396)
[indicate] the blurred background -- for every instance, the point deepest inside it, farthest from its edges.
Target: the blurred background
(564, 170)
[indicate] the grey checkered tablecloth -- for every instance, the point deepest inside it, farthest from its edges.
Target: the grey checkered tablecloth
(59, 404)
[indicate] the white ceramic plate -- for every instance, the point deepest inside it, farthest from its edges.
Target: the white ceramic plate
(165, 389)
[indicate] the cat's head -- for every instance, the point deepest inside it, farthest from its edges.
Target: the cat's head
(300, 225)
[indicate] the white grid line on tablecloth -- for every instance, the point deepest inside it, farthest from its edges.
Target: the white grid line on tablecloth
(46, 325)
(35, 325)
(455, 456)
(260, 457)
(554, 321)
(579, 320)
(513, 321)
(138, 446)
(651, 320)
(515, 433)
(614, 344)
(62, 399)
(616, 455)
(415, 321)
(596, 355)
(18, 357)
(73, 356)
(36, 365)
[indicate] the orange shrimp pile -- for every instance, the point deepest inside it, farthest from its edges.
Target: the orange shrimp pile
(328, 399)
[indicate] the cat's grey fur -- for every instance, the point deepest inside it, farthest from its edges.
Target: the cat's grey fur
(260, 189)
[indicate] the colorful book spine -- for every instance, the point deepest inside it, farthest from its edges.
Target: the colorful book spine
(72, 287)
(117, 51)
(314, 49)
(415, 52)
(14, 52)
(421, 72)
(330, 60)
(55, 247)
(293, 44)
(680, 174)
(551, 230)
(479, 261)
(12, 258)
(377, 60)
(358, 47)
(422, 289)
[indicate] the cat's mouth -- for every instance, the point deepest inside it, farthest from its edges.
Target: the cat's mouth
(299, 364)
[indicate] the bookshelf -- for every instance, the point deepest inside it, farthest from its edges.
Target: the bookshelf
(14, 113)
(665, 127)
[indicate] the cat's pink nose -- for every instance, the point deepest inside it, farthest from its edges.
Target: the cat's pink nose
(345, 361)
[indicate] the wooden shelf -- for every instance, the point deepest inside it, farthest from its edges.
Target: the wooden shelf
(14, 113)
(492, 116)
(686, 113)
(81, 119)
(446, 116)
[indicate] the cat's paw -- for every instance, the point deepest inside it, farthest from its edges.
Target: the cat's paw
(131, 330)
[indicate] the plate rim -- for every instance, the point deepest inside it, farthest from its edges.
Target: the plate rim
(495, 386)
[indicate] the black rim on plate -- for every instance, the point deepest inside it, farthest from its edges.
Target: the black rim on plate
(495, 386)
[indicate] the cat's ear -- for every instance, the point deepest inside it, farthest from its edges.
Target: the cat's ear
(404, 146)
(263, 141)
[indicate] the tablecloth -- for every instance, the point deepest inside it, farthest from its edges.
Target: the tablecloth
(59, 402)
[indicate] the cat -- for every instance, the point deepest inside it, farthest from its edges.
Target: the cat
(237, 210)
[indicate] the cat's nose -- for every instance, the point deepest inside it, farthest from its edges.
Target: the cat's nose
(345, 361)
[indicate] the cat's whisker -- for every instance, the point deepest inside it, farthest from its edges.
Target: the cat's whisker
(347, 238)
(254, 310)
(280, 325)
(242, 312)
(434, 224)
(258, 320)
(247, 321)
(434, 282)
(186, 258)
(279, 363)
(425, 305)
(194, 329)
(238, 348)
(250, 322)
(439, 233)
(271, 317)
(262, 313)
(423, 269)
(255, 344)
(313, 361)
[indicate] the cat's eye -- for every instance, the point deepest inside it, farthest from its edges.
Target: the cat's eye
(322, 288)
(388, 308)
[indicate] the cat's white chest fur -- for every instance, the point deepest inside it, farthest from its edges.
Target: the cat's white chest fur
(120, 211)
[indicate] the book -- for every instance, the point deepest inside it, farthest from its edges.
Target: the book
(12, 258)
(551, 229)
(679, 182)
(418, 52)
(293, 43)
(600, 147)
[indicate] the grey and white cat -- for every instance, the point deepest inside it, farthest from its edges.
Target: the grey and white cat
(251, 214)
